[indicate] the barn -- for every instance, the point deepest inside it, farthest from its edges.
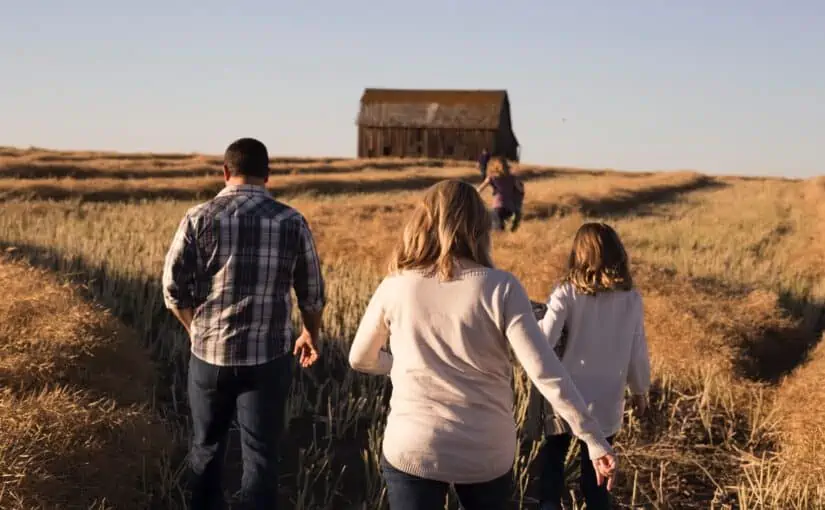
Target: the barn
(442, 124)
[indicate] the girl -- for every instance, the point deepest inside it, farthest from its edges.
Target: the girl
(449, 316)
(508, 194)
(604, 350)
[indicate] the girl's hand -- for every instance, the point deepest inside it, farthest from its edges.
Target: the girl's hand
(639, 404)
(605, 467)
(539, 309)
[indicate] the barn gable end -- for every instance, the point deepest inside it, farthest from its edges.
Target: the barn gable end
(448, 124)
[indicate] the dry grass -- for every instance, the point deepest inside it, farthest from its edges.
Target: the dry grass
(74, 406)
(45, 164)
(118, 190)
(609, 194)
(797, 470)
(800, 406)
(725, 265)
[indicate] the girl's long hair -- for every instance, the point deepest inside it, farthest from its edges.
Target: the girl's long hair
(451, 222)
(598, 261)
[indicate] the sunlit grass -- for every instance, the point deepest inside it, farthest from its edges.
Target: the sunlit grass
(726, 267)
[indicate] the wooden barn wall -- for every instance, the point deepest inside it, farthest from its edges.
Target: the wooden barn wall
(410, 142)
(506, 142)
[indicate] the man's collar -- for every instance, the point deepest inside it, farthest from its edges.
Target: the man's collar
(243, 188)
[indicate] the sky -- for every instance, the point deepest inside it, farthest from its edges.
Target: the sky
(719, 86)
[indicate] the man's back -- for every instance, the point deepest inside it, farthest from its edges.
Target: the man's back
(227, 279)
(238, 256)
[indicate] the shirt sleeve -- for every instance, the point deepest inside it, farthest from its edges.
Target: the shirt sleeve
(309, 280)
(553, 321)
(546, 371)
(638, 374)
(367, 353)
(179, 269)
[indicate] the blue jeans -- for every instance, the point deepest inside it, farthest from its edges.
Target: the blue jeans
(258, 395)
(552, 457)
(408, 492)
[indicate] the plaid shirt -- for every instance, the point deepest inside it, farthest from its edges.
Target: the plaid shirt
(234, 260)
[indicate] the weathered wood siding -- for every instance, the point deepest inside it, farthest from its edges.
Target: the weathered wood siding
(438, 143)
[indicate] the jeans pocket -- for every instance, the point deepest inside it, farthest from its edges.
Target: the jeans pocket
(202, 374)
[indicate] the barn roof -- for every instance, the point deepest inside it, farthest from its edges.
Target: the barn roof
(469, 109)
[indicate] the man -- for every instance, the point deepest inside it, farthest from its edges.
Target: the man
(227, 278)
(483, 160)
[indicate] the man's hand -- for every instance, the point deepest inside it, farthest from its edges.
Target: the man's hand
(639, 404)
(184, 315)
(605, 470)
(305, 349)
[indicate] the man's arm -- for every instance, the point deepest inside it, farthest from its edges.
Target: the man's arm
(311, 320)
(179, 273)
(309, 289)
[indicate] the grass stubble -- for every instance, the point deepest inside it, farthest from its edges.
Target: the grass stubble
(728, 268)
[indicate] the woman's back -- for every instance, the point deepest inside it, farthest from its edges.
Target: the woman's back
(451, 374)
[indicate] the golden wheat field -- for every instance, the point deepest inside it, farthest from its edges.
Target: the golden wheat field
(92, 406)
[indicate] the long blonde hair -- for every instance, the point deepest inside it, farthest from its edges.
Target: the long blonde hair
(451, 222)
(598, 261)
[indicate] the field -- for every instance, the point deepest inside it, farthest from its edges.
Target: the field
(730, 269)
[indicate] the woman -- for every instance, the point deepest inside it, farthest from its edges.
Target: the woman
(449, 316)
(508, 194)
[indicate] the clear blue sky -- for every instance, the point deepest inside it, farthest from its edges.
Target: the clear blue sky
(734, 86)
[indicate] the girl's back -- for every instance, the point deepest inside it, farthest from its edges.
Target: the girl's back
(604, 349)
(597, 305)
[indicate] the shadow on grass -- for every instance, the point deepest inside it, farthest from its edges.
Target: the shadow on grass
(63, 170)
(777, 352)
(775, 346)
(638, 202)
(155, 191)
(59, 168)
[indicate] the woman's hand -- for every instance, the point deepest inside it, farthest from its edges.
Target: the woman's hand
(605, 467)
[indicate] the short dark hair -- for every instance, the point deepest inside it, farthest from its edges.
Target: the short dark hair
(247, 157)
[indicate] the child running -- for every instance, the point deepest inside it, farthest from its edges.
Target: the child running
(508, 194)
(599, 313)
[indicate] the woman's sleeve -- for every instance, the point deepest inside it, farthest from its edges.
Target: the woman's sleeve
(367, 353)
(546, 371)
